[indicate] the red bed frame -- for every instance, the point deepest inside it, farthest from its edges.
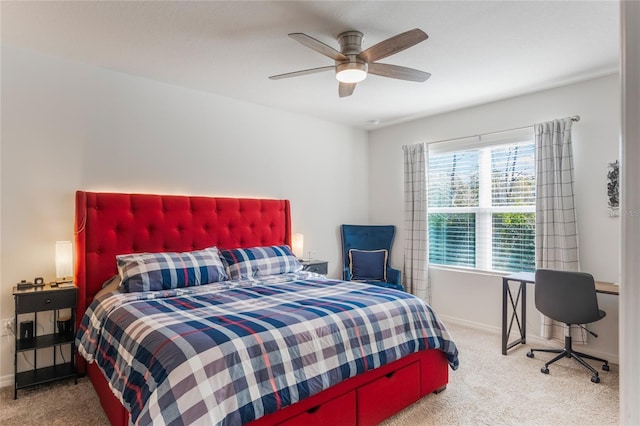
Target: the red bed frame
(107, 224)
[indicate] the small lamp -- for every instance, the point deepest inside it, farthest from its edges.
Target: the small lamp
(297, 245)
(64, 262)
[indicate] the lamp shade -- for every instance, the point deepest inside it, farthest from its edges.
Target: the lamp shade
(297, 245)
(351, 72)
(64, 259)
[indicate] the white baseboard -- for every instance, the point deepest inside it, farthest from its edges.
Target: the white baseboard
(470, 324)
(6, 381)
(532, 339)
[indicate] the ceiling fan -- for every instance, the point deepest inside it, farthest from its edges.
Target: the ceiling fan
(352, 64)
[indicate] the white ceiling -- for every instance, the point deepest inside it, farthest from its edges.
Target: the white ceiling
(477, 51)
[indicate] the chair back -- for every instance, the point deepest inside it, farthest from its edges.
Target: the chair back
(366, 237)
(568, 297)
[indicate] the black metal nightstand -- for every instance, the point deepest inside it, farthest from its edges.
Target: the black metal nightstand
(28, 303)
(315, 265)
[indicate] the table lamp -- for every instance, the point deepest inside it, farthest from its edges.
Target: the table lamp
(64, 262)
(297, 245)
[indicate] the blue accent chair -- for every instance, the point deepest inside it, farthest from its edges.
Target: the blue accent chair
(370, 238)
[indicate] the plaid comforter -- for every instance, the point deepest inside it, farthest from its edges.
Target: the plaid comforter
(230, 352)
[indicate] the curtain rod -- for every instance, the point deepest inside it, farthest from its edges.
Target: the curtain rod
(574, 118)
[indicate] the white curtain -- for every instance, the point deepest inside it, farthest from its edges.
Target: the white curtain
(556, 225)
(416, 261)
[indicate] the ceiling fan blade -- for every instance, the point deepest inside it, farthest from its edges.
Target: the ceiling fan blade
(396, 71)
(303, 72)
(318, 46)
(393, 45)
(346, 89)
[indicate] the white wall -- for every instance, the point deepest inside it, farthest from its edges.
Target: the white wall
(67, 126)
(476, 298)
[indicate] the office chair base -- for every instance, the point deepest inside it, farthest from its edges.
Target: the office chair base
(568, 352)
(595, 378)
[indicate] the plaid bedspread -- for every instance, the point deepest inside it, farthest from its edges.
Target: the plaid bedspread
(230, 352)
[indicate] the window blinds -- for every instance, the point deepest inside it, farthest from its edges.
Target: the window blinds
(481, 206)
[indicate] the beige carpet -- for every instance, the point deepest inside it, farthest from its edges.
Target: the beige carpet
(492, 389)
(487, 389)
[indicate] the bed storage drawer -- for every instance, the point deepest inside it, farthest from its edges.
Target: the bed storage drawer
(337, 411)
(389, 394)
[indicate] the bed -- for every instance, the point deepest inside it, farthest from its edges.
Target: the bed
(361, 389)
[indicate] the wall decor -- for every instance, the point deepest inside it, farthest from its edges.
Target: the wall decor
(613, 189)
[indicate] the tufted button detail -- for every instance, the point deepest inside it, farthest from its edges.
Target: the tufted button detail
(145, 223)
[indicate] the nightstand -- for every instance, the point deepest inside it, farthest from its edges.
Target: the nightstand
(315, 265)
(28, 303)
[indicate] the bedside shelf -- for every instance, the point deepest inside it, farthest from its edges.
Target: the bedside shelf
(315, 265)
(29, 303)
(45, 341)
(44, 375)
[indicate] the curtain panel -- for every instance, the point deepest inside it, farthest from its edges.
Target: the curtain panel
(416, 254)
(556, 223)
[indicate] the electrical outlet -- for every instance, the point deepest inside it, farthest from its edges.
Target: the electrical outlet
(8, 327)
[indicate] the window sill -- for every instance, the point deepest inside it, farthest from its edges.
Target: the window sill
(469, 271)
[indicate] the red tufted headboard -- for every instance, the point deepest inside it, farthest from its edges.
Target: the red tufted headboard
(108, 224)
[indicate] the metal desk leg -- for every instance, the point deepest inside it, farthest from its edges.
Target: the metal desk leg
(505, 334)
(506, 330)
(523, 316)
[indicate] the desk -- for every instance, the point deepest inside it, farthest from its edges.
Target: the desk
(524, 278)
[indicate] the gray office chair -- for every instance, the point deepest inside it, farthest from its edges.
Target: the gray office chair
(568, 297)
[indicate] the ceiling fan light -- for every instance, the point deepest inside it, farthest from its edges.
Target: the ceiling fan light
(351, 72)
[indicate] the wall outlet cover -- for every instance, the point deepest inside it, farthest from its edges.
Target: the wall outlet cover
(8, 327)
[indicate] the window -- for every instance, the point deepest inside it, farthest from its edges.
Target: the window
(481, 208)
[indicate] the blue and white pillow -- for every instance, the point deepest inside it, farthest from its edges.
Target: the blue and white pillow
(368, 265)
(163, 271)
(260, 261)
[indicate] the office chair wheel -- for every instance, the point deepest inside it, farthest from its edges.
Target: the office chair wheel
(595, 379)
(544, 370)
(605, 367)
(530, 354)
